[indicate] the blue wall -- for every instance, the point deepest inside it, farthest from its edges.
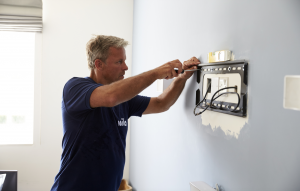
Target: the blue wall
(171, 149)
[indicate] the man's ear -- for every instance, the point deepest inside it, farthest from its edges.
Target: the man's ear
(98, 64)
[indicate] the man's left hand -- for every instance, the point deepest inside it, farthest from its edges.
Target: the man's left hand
(189, 65)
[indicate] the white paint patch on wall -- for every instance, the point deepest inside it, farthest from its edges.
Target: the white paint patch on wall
(231, 125)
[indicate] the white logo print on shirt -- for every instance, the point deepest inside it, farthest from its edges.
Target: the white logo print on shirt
(122, 122)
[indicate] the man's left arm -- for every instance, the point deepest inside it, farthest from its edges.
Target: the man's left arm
(164, 101)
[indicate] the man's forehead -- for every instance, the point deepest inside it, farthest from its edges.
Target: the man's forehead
(117, 52)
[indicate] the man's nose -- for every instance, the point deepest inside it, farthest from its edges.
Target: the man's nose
(125, 66)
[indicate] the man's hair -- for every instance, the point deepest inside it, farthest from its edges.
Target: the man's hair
(98, 46)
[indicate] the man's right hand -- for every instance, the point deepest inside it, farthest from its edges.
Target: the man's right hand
(167, 70)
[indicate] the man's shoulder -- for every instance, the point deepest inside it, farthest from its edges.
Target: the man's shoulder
(80, 79)
(77, 84)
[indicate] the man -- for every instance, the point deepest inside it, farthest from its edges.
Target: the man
(95, 113)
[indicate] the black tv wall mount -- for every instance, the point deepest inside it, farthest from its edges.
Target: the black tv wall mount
(229, 67)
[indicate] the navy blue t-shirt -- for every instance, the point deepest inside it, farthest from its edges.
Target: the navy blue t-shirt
(94, 140)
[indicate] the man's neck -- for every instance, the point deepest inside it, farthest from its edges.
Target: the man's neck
(97, 78)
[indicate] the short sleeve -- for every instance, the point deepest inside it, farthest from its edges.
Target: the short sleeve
(138, 105)
(77, 93)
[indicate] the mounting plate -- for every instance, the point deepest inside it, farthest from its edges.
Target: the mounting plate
(230, 67)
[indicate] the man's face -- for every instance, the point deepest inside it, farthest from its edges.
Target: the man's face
(115, 66)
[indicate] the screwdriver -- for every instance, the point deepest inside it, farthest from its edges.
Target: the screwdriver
(176, 70)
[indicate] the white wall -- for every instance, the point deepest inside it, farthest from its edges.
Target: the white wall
(171, 149)
(68, 25)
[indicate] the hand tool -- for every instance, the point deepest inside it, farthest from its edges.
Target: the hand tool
(176, 70)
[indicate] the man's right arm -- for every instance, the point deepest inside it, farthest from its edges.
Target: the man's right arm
(124, 90)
